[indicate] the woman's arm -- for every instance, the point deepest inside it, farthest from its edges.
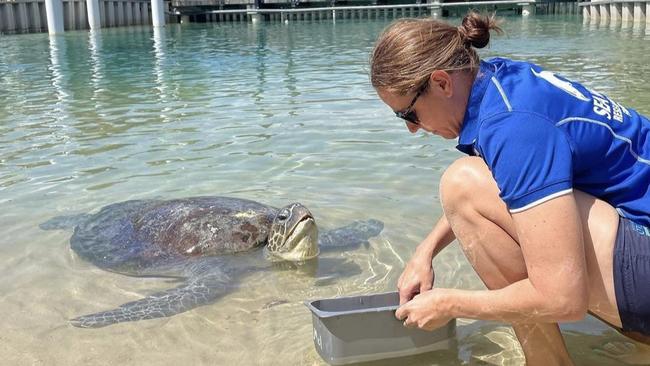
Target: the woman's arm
(556, 289)
(550, 236)
(417, 277)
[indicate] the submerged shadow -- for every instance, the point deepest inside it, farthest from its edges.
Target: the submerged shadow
(447, 357)
(325, 271)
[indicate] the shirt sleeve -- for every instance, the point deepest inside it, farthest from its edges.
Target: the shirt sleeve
(528, 156)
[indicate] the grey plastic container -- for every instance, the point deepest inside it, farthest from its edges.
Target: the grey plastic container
(364, 328)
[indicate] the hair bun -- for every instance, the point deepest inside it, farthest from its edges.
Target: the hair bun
(475, 29)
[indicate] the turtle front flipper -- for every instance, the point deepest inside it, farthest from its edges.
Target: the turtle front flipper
(200, 291)
(350, 236)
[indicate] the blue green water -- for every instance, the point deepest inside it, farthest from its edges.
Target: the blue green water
(270, 112)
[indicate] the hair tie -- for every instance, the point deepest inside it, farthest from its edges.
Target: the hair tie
(463, 36)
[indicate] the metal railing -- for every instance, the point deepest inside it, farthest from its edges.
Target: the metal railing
(373, 7)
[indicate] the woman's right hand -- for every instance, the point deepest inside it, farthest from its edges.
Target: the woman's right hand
(417, 277)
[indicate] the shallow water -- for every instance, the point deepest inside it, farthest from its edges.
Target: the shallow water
(269, 112)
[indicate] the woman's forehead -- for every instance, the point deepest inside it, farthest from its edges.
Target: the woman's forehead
(391, 98)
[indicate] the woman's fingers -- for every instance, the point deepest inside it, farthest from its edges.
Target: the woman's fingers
(400, 313)
(427, 282)
(407, 291)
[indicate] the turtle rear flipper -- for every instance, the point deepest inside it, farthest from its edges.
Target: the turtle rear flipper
(189, 295)
(64, 222)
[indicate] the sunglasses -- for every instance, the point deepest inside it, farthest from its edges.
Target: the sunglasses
(408, 114)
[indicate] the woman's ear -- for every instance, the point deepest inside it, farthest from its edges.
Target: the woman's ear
(440, 81)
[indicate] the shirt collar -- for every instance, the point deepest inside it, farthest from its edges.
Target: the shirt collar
(469, 129)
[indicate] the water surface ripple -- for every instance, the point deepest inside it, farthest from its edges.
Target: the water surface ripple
(269, 112)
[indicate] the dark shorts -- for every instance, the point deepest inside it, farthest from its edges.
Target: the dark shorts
(632, 276)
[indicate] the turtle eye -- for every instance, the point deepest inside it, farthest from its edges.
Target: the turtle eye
(283, 215)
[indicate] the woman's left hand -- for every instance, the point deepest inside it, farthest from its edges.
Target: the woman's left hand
(425, 310)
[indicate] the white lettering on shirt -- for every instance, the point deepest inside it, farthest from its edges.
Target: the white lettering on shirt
(559, 83)
(601, 107)
(605, 107)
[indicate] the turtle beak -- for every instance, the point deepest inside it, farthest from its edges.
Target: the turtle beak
(302, 243)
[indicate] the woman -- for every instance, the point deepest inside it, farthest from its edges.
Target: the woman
(552, 205)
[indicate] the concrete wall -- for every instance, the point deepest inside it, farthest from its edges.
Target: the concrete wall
(616, 12)
(558, 8)
(21, 16)
(308, 13)
(24, 16)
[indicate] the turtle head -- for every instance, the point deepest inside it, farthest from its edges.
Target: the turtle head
(294, 235)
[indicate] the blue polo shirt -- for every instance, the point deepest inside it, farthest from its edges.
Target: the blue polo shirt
(542, 136)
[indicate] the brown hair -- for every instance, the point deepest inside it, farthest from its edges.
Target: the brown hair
(409, 50)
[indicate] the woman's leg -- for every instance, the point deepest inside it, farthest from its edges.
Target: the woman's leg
(487, 235)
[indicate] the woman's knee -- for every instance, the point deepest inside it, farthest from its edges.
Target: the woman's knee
(481, 222)
(465, 181)
(470, 197)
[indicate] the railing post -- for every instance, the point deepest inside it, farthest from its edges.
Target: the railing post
(586, 13)
(527, 9)
(436, 9)
(36, 16)
(627, 12)
(251, 10)
(639, 12)
(604, 13)
(23, 23)
(615, 12)
(94, 19)
(158, 13)
(54, 12)
(594, 11)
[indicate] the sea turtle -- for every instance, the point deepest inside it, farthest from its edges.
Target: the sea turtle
(207, 243)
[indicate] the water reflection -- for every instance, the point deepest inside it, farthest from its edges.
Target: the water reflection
(604, 21)
(626, 24)
(96, 67)
(638, 28)
(447, 357)
(290, 79)
(224, 92)
(525, 26)
(259, 35)
(58, 75)
(324, 271)
(159, 45)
